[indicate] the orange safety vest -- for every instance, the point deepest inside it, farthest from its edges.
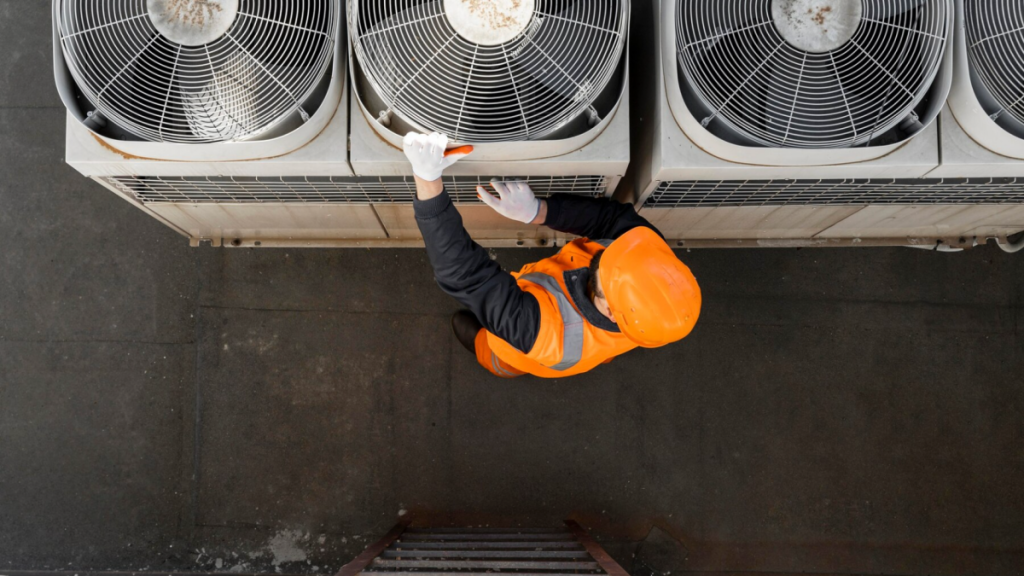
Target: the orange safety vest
(566, 343)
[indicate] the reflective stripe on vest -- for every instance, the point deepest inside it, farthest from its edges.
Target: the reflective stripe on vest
(496, 364)
(572, 334)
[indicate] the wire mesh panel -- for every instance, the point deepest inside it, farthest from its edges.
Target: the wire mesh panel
(496, 71)
(995, 46)
(331, 190)
(811, 74)
(709, 193)
(197, 70)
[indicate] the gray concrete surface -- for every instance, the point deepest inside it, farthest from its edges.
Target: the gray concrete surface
(856, 411)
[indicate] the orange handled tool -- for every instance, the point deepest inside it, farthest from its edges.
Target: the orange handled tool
(459, 150)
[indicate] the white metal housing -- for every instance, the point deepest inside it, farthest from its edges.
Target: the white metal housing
(494, 71)
(973, 144)
(300, 189)
(191, 71)
(285, 136)
(826, 159)
(700, 189)
(590, 161)
(237, 192)
(590, 164)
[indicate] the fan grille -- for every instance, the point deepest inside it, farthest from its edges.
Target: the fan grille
(750, 76)
(234, 87)
(523, 89)
(995, 45)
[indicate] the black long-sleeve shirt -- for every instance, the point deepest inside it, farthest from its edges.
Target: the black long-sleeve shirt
(464, 270)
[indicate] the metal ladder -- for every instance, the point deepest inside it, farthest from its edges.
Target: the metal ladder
(484, 551)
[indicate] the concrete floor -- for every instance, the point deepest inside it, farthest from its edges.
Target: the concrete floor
(162, 407)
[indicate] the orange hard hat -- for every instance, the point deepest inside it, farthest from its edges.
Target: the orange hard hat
(653, 296)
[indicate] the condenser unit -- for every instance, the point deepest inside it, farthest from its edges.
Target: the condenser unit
(538, 87)
(225, 119)
(801, 122)
(983, 129)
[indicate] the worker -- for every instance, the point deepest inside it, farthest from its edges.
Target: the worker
(617, 287)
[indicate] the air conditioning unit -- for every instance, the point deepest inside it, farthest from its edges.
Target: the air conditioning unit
(224, 119)
(983, 125)
(799, 122)
(229, 119)
(983, 129)
(538, 87)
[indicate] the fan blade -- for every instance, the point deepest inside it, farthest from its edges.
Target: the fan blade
(224, 107)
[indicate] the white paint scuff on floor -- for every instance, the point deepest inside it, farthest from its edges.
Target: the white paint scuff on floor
(284, 547)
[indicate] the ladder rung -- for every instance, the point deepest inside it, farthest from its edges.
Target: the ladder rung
(484, 564)
(469, 545)
(454, 554)
(540, 537)
(482, 531)
(462, 573)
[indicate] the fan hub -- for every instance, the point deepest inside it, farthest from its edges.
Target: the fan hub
(489, 22)
(192, 22)
(817, 26)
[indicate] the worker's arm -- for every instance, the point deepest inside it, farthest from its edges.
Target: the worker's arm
(463, 269)
(597, 218)
(590, 217)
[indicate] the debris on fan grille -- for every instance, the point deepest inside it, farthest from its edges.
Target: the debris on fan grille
(192, 12)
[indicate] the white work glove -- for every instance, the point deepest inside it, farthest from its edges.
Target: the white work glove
(516, 202)
(429, 155)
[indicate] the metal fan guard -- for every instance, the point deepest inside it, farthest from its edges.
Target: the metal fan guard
(524, 89)
(995, 46)
(235, 87)
(749, 80)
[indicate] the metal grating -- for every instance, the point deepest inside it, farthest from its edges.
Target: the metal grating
(235, 189)
(836, 192)
(480, 551)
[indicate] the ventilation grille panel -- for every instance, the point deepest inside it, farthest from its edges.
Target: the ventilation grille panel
(710, 193)
(330, 190)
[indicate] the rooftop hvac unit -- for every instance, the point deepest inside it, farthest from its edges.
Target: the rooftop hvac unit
(983, 132)
(225, 119)
(802, 122)
(198, 80)
(805, 83)
(539, 87)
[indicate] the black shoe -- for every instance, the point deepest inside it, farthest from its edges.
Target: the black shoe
(466, 326)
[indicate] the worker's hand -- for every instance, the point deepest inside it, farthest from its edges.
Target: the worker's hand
(429, 156)
(515, 200)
